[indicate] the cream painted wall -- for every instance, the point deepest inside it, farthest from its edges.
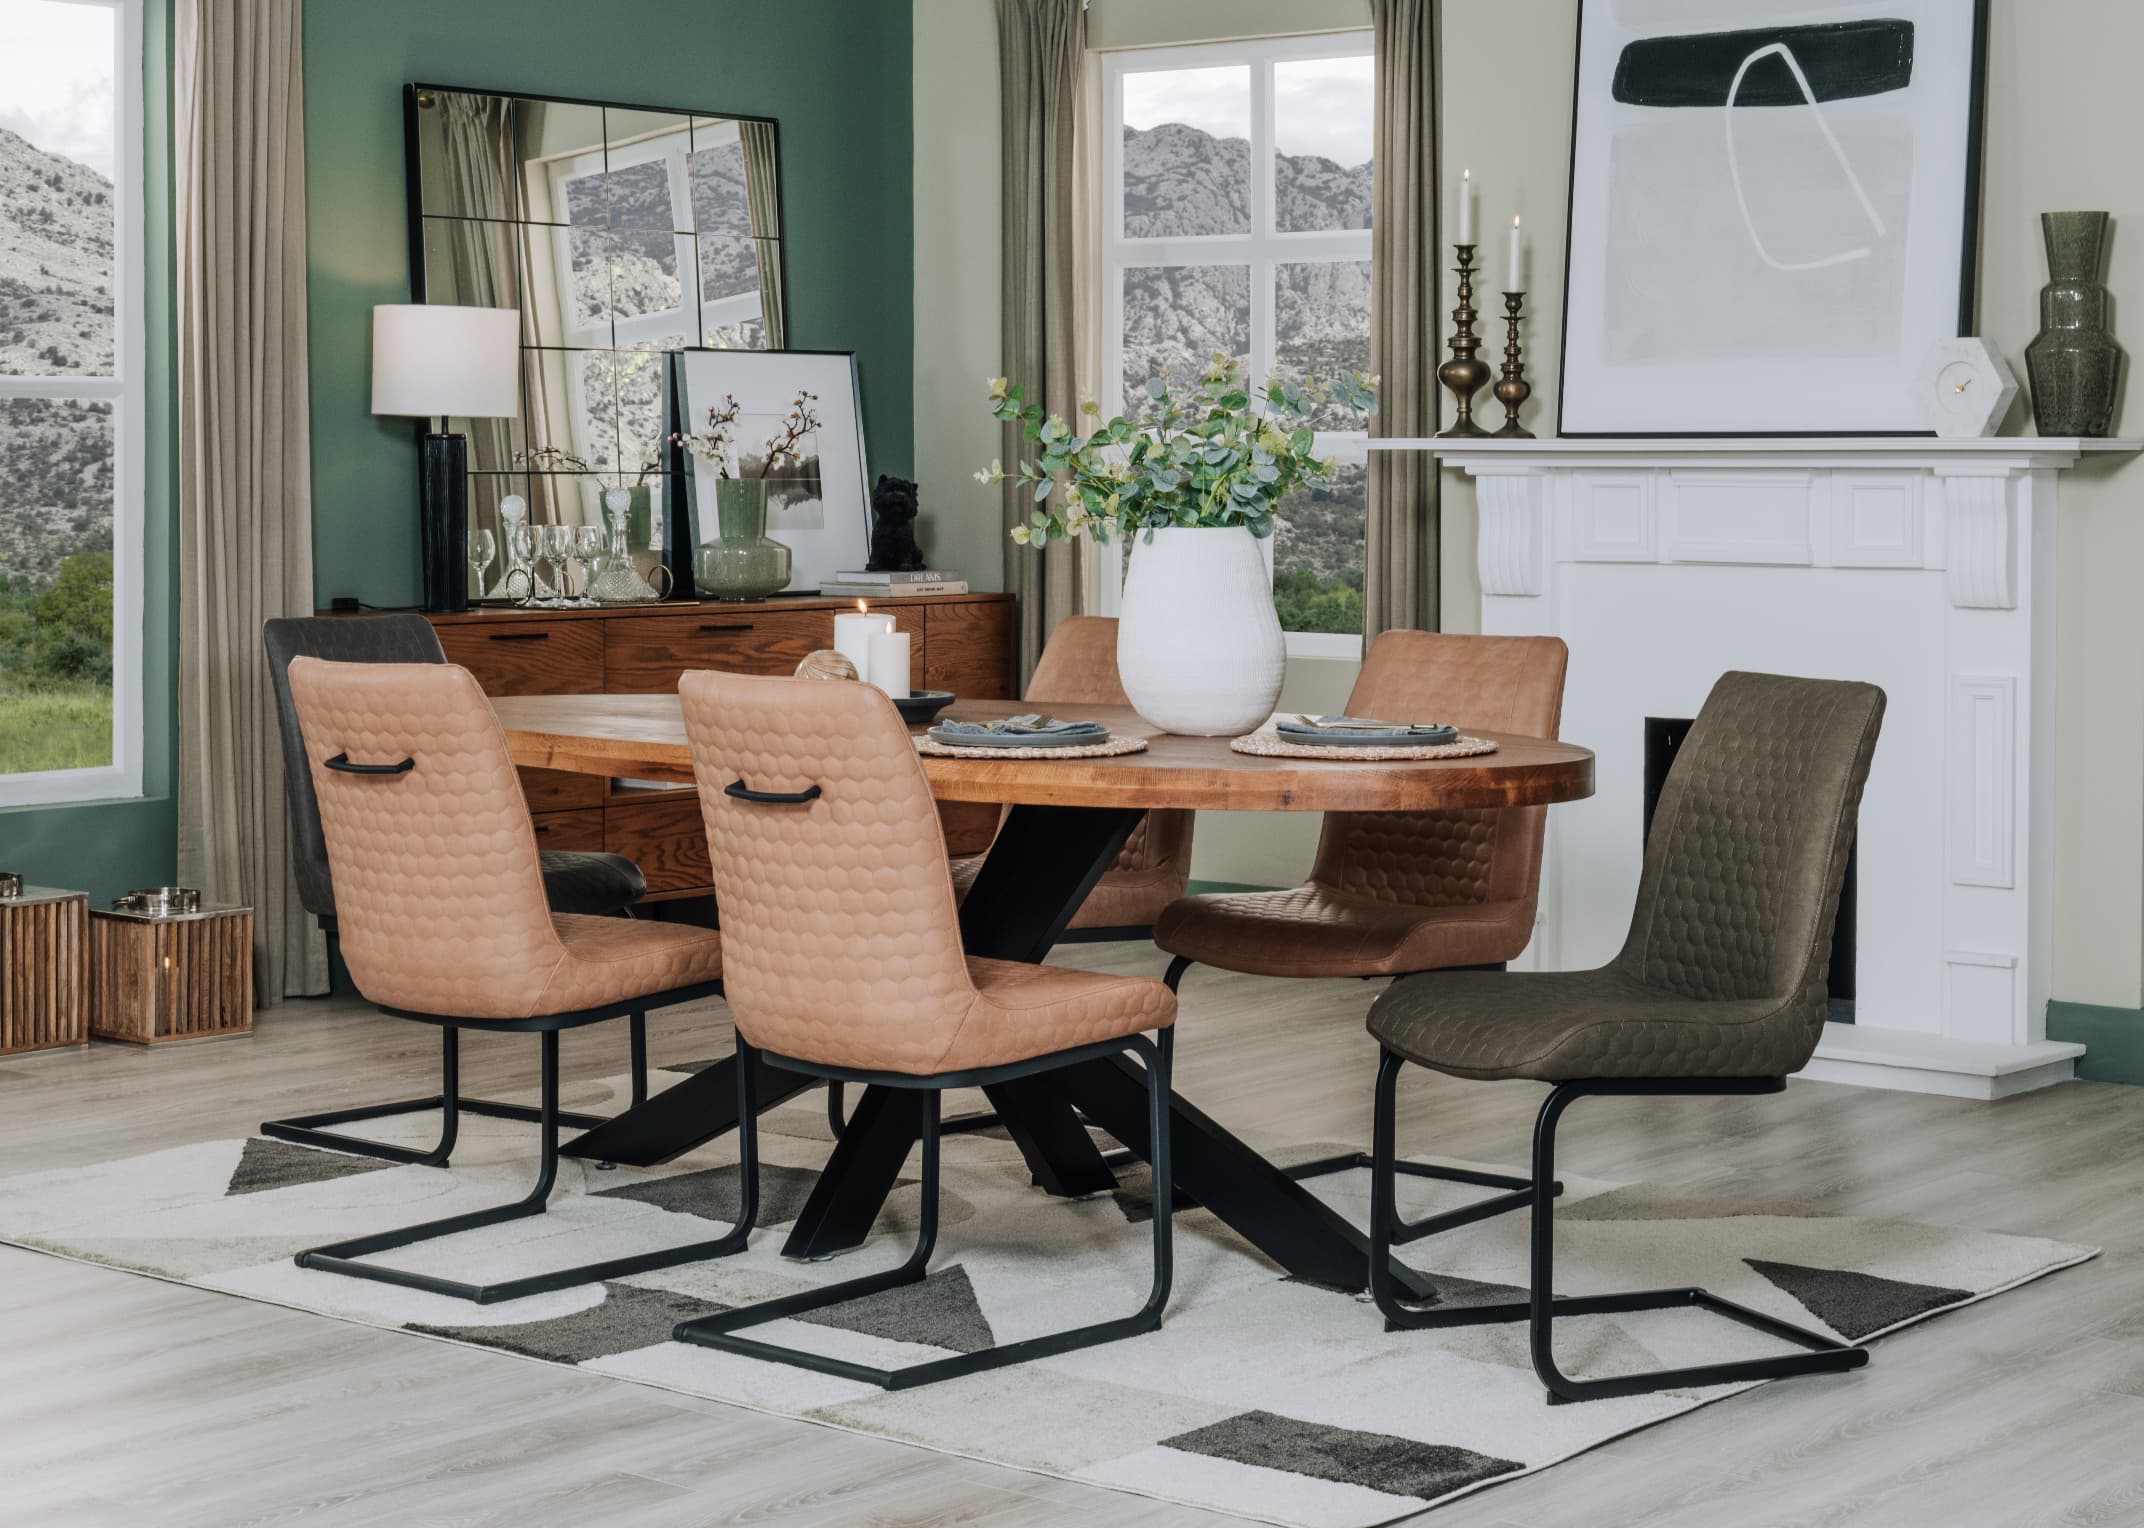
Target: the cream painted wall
(2058, 114)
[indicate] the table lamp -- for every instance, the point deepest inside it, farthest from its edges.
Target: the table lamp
(431, 361)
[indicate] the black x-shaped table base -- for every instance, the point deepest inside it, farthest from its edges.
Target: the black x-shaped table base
(1044, 863)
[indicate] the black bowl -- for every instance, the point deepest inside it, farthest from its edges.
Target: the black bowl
(922, 705)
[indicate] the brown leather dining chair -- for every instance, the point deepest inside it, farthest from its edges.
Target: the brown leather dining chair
(1392, 893)
(1719, 991)
(440, 893)
(842, 958)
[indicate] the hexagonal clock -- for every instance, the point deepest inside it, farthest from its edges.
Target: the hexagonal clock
(1964, 390)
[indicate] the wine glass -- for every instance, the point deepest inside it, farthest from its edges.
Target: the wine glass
(526, 543)
(591, 548)
(483, 547)
(557, 549)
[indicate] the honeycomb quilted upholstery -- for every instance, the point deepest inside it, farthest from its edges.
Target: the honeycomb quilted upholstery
(575, 881)
(841, 940)
(1724, 973)
(1393, 892)
(440, 894)
(1078, 666)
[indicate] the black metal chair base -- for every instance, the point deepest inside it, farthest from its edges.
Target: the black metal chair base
(1518, 1192)
(344, 1257)
(1821, 1355)
(310, 1129)
(720, 1330)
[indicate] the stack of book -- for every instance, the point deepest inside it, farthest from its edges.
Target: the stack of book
(893, 586)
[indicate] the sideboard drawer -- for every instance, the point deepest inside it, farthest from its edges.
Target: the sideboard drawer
(970, 650)
(579, 831)
(528, 657)
(561, 790)
(645, 656)
(664, 836)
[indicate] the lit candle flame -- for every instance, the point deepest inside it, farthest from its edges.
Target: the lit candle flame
(862, 608)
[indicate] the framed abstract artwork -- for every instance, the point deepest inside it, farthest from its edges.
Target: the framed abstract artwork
(1773, 213)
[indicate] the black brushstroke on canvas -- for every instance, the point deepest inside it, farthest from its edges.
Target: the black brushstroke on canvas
(1842, 61)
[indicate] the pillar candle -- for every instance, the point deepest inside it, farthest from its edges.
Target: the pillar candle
(1512, 283)
(1466, 206)
(853, 633)
(889, 662)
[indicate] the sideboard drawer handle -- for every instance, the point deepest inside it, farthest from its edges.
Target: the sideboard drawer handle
(520, 636)
(737, 626)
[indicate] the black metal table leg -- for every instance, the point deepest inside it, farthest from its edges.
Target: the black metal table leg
(866, 1163)
(685, 1115)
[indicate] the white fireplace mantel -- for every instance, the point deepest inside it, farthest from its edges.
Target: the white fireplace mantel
(1925, 566)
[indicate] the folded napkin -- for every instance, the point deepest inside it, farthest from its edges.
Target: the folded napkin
(1045, 727)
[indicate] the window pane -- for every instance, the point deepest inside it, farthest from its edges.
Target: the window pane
(1177, 317)
(1322, 328)
(55, 584)
(640, 196)
(56, 164)
(718, 190)
(1187, 152)
(1322, 144)
(1317, 555)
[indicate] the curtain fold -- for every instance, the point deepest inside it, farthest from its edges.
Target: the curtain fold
(477, 154)
(762, 190)
(245, 496)
(1400, 528)
(1041, 103)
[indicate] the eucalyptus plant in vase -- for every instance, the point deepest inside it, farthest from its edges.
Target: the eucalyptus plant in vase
(1190, 487)
(743, 562)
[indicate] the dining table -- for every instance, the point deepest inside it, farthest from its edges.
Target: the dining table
(1065, 820)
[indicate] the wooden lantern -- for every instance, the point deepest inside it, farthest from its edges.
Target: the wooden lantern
(156, 976)
(44, 975)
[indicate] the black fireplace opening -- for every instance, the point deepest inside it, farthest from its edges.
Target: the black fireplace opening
(1663, 740)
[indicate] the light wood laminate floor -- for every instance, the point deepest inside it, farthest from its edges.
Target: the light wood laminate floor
(128, 1401)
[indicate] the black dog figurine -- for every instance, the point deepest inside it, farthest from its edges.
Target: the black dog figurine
(893, 527)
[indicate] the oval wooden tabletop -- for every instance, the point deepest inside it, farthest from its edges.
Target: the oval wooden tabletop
(643, 737)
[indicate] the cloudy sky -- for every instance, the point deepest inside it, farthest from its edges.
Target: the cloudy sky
(56, 77)
(1320, 106)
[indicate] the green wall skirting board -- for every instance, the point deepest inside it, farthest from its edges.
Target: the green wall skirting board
(2113, 1039)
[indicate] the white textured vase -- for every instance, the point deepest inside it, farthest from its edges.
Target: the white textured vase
(1199, 647)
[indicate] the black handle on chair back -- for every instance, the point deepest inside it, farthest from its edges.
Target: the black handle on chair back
(341, 763)
(744, 792)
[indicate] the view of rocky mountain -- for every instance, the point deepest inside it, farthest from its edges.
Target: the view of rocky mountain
(55, 319)
(1183, 182)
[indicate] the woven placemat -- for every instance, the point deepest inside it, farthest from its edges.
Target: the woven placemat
(1116, 745)
(1271, 745)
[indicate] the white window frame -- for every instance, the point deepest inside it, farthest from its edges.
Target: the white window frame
(1260, 249)
(125, 391)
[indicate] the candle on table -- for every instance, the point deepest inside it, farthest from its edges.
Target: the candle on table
(889, 663)
(1466, 206)
(853, 632)
(1512, 283)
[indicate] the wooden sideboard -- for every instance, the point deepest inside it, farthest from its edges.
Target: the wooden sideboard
(962, 643)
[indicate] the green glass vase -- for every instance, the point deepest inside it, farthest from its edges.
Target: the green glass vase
(743, 562)
(2075, 364)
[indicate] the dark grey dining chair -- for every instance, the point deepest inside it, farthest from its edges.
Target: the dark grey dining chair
(1719, 991)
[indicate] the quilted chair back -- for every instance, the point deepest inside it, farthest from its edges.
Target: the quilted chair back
(341, 639)
(840, 940)
(1749, 843)
(1435, 859)
(439, 891)
(1078, 665)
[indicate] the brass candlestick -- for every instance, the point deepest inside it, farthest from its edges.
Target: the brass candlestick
(1512, 388)
(1463, 373)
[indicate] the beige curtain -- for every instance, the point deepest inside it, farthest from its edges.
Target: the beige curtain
(762, 190)
(1041, 58)
(1400, 534)
(477, 154)
(245, 501)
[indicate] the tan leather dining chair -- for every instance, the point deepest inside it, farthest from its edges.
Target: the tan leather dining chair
(439, 891)
(842, 959)
(1396, 892)
(1719, 991)
(1078, 667)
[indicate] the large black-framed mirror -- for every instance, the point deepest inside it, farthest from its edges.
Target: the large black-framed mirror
(620, 232)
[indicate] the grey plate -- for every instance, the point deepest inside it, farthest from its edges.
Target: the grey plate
(1067, 738)
(1357, 737)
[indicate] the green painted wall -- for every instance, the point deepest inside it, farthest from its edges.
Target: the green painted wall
(834, 72)
(106, 848)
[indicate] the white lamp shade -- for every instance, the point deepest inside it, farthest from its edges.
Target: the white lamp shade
(434, 361)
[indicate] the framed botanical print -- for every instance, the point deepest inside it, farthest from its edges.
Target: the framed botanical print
(1773, 213)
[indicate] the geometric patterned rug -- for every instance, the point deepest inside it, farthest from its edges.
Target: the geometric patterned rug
(1261, 1396)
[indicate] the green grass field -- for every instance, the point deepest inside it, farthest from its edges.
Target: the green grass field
(67, 728)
